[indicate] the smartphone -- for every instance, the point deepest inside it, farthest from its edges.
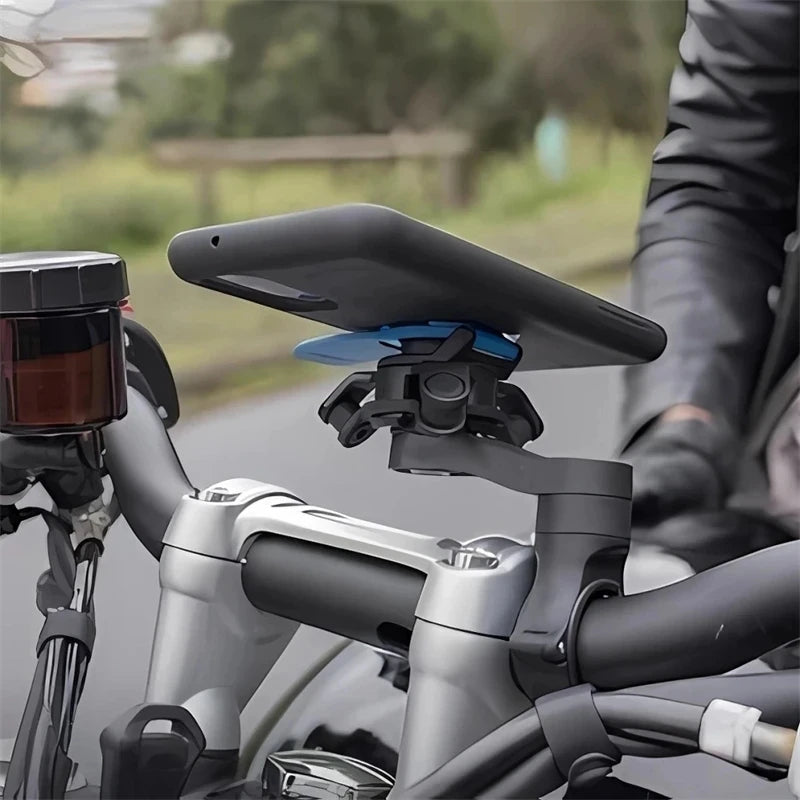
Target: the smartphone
(359, 267)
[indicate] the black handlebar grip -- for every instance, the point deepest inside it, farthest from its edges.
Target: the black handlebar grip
(721, 618)
(149, 480)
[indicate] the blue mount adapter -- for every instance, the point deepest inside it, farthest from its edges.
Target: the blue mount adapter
(361, 347)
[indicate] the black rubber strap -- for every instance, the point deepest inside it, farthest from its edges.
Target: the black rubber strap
(572, 726)
(68, 624)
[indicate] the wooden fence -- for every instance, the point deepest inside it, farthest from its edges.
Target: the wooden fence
(451, 150)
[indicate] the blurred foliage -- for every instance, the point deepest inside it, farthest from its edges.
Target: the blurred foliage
(607, 62)
(127, 203)
(180, 17)
(177, 102)
(323, 67)
(71, 179)
(31, 138)
(90, 205)
(491, 67)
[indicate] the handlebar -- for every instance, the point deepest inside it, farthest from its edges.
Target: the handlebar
(148, 477)
(724, 617)
(749, 606)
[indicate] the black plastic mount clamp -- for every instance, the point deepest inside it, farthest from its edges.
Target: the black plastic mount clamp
(578, 741)
(508, 465)
(434, 388)
(450, 414)
(581, 542)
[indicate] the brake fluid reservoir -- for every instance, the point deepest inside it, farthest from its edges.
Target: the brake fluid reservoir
(62, 352)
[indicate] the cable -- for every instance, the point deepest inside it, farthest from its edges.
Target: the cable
(536, 776)
(730, 731)
(775, 693)
(652, 714)
(514, 760)
(631, 743)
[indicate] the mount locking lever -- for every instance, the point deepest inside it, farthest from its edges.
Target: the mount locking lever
(434, 388)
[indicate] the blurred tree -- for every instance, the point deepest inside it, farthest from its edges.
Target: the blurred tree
(605, 62)
(322, 67)
(176, 101)
(177, 17)
(490, 67)
(33, 137)
(659, 26)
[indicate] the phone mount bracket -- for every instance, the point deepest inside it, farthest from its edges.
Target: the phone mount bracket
(435, 388)
(451, 412)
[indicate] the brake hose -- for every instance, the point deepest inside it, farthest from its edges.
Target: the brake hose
(621, 712)
(730, 731)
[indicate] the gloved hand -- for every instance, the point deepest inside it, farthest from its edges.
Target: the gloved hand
(681, 466)
(706, 539)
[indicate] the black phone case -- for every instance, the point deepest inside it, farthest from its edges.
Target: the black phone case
(359, 267)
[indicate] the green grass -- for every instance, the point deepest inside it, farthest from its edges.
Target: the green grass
(124, 203)
(256, 379)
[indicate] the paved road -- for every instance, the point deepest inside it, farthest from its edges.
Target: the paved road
(280, 440)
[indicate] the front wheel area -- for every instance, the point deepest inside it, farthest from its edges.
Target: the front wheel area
(353, 706)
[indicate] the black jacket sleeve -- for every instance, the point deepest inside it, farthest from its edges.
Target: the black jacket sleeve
(722, 199)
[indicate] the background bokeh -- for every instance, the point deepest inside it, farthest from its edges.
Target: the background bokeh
(562, 102)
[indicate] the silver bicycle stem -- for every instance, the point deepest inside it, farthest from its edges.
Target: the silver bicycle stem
(213, 647)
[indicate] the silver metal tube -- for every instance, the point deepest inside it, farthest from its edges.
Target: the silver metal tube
(773, 744)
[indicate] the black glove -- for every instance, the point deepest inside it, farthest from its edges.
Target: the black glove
(681, 466)
(706, 539)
